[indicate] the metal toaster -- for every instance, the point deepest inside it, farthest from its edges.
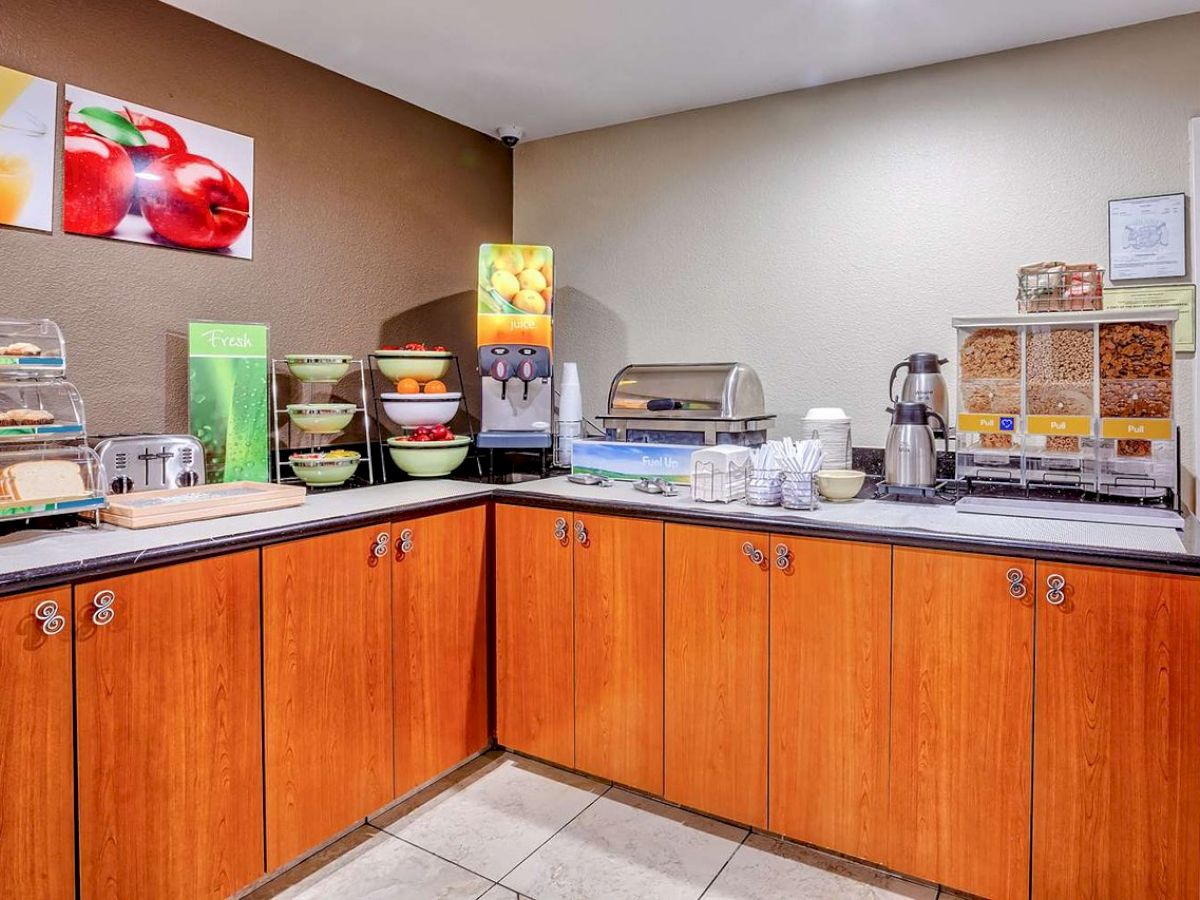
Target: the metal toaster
(148, 462)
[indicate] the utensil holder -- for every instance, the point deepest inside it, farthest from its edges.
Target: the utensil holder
(764, 487)
(800, 490)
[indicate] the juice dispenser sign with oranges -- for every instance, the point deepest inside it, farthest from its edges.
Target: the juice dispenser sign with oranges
(516, 294)
(27, 110)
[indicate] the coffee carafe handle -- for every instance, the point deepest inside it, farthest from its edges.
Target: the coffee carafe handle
(892, 381)
(945, 430)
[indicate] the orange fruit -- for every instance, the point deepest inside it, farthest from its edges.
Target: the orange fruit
(435, 387)
(408, 386)
(505, 284)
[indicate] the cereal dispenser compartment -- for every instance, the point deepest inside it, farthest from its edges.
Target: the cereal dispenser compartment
(1079, 400)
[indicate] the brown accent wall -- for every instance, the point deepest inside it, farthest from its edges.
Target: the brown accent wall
(368, 211)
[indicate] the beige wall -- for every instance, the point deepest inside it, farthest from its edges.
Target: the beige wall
(822, 235)
(368, 211)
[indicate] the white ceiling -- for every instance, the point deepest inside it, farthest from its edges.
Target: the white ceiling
(556, 66)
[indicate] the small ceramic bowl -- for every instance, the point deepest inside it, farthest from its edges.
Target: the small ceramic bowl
(322, 470)
(411, 410)
(321, 418)
(840, 484)
(429, 459)
(318, 368)
(420, 365)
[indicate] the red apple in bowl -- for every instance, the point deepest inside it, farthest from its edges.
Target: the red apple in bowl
(193, 202)
(97, 183)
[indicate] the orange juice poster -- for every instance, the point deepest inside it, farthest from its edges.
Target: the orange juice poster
(516, 294)
(27, 106)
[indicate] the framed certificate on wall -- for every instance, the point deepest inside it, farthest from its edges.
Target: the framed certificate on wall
(1147, 237)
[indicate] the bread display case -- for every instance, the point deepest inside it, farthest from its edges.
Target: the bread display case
(50, 480)
(39, 411)
(46, 465)
(1078, 400)
(31, 349)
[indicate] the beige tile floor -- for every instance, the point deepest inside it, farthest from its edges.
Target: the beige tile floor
(504, 828)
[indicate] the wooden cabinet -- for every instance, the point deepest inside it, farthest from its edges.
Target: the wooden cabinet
(439, 634)
(619, 649)
(170, 731)
(962, 716)
(1116, 781)
(717, 601)
(37, 767)
(831, 617)
(327, 677)
(535, 677)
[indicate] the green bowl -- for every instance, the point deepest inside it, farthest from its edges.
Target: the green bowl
(429, 459)
(420, 365)
(321, 418)
(318, 368)
(325, 472)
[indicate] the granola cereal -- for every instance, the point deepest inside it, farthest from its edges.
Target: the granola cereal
(1135, 350)
(1136, 399)
(1133, 448)
(990, 353)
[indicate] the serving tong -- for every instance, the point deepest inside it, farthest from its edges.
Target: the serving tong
(656, 486)
(589, 479)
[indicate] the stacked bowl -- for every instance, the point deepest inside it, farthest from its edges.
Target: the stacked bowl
(831, 426)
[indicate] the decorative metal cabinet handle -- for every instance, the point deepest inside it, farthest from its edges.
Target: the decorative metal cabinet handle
(560, 528)
(755, 555)
(380, 547)
(581, 534)
(405, 544)
(1054, 590)
(1016, 583)
(102, 608)
(52, 621)
(783, 557)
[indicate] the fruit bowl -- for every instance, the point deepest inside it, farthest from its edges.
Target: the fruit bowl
(318, 368)
(321, 418)
(428, 459)
(411, 410)
(325, 469)
(419, 365)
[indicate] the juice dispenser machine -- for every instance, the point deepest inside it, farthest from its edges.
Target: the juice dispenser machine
(515, 319)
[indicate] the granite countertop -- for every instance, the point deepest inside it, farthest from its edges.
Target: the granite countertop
(38, 558)
(910, 524)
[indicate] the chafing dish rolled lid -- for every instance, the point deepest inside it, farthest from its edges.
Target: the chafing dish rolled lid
(681, 396)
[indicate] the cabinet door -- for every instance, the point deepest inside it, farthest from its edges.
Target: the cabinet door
(962, 716)
(439, 633)
(327, 675)
(535, 667)
(619, 649)
(1116, 779)
(169, 719)
(717, 600)
(831, 617)
(37, 768)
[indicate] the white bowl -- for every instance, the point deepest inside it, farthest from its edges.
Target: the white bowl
(840, 484)
(828, 413)
(411, 410)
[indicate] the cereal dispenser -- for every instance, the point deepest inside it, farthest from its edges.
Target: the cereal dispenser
(1069, 400)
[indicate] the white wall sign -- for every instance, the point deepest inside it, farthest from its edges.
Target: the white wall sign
(1147, 238)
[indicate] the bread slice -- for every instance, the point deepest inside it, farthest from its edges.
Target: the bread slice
(43, 479)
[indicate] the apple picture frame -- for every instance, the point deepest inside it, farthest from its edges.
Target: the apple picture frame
(134, 173)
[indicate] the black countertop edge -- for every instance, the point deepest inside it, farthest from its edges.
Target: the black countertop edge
(1169, 563)
(125, 563)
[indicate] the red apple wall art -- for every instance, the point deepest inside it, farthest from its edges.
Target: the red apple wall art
(137, 174)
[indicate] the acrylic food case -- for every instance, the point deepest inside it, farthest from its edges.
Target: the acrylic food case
(31, 349)
(1071, 399)
(40, 411)
(50, 480)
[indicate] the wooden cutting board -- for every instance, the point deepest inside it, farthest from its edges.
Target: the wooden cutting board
(147, 509)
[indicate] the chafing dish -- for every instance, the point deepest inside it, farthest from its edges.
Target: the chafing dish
(687, 403)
